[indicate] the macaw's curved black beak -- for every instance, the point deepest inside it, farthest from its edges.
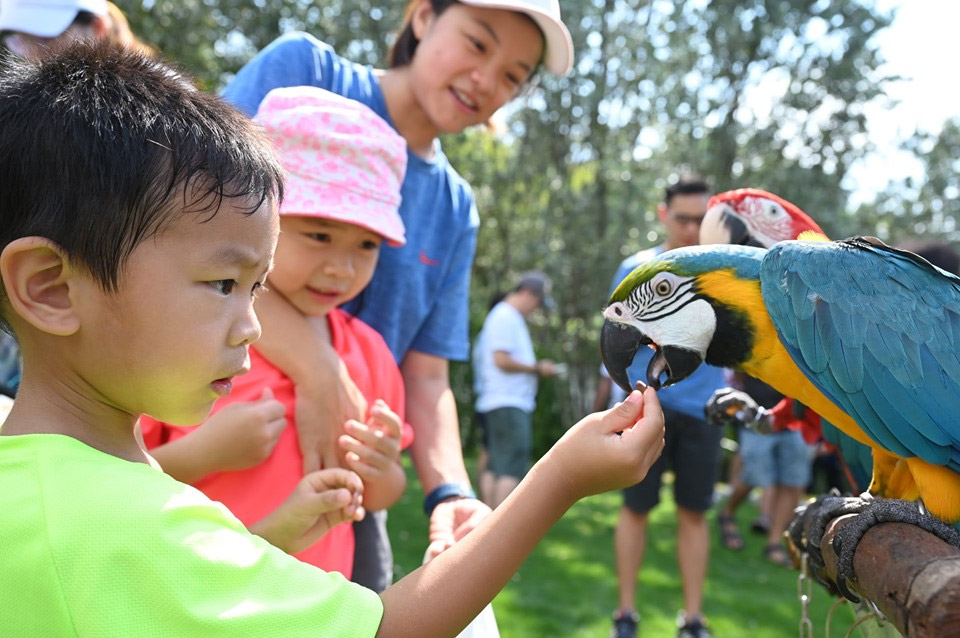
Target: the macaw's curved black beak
(618, 346)
(678, 363)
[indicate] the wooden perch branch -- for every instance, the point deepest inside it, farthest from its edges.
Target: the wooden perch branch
(912, 576)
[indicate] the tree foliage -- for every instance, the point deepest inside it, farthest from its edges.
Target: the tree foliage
(764, 93)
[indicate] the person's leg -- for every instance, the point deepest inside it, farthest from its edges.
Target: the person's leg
(762, 523)
(516, 427)
(730, 536)
(485, 477)
(693, 554)
(630, 543)
(784, 501)
(372, 553)
(696, 464)
(502, 486)
(792, 468)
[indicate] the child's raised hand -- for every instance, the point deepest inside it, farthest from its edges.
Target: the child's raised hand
(371, 449)
(321, 500)
(242, 434)
(592, 458)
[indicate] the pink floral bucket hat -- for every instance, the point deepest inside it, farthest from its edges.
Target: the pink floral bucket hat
(341, 160)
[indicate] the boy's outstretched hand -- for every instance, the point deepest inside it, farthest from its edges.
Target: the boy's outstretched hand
(592, 457)
(321, 500)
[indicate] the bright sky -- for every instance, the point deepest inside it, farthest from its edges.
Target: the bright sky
(920, 45)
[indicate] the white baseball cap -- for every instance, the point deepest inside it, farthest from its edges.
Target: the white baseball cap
(558, 56)
(45, 18)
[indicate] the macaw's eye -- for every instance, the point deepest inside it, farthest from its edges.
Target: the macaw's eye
(663, 288)
(774, 210)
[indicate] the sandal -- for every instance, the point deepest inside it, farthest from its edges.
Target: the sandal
(760, 526)
(729, 534)
(777, 554)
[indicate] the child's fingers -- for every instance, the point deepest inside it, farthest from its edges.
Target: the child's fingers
(276, 426)
(376, 439)
(382, 416)
(369, 464)
(270, 408)
(333, 478)
(648, 431)
(366, 471)
(623, 415)
(331, 500)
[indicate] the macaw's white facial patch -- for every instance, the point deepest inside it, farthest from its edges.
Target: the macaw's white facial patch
(768, 221)
(690, 326)
(667, 310)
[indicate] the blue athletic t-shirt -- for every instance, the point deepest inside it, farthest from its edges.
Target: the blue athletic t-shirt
(690, 395)
(418, 298)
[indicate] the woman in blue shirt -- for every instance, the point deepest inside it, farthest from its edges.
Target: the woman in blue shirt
(452, 66)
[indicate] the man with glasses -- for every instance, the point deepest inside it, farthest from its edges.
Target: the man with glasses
(692, 446)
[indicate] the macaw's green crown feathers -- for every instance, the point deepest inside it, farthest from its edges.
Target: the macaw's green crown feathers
(693, 261)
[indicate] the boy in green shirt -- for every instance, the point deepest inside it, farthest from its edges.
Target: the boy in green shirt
(138, 217)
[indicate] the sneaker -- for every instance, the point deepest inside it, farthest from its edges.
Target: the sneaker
(693, 628)
(625, 624)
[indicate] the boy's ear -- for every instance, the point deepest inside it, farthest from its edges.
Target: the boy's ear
(37, 278)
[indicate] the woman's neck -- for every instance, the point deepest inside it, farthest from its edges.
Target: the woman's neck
(405, 112)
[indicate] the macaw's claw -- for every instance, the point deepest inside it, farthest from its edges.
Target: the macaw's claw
(819, 513)
(876, 511)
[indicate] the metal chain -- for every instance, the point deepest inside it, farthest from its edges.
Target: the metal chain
(837, 603)
(804, 594)
(881, 618)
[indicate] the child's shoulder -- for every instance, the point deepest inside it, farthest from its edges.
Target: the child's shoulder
(344, 324)
(299, 42)
(78, 522)
(70, 476)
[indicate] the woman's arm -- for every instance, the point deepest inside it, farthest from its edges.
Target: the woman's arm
(326, 395)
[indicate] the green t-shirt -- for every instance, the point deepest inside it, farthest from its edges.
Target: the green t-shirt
(97, 546)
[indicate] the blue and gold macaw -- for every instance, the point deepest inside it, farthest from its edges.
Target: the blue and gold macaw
(866, 335)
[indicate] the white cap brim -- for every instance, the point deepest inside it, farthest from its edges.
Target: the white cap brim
(559, 44)
(37, 20)
(46, 20)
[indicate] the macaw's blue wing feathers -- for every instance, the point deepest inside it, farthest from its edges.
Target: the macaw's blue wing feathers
(857, 456)
(877, 330)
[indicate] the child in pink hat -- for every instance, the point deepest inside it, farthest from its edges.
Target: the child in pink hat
(343, 166)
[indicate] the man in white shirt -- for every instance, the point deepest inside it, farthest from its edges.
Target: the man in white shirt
(509, 372)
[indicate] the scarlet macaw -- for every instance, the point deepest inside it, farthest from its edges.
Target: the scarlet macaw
(755, 217)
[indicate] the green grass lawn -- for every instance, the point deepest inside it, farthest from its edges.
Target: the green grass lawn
(568, 586)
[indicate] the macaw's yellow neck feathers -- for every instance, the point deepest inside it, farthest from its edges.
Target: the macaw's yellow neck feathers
(740, 313)
(812, 235)
(765, 359)
(733, 291)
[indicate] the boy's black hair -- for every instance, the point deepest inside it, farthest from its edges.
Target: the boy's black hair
(686, 185)
(100, 147)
